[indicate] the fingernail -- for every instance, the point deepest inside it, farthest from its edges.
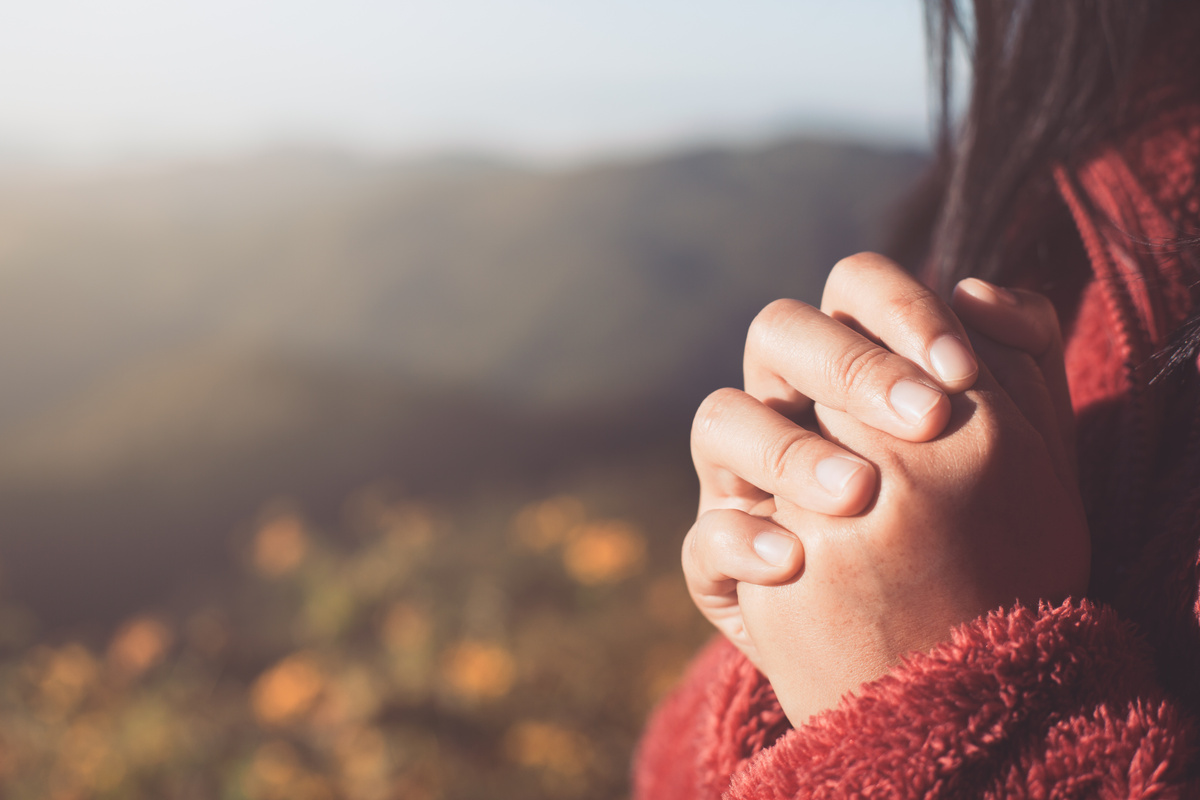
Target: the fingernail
(912, 400)
(774, 548)
(993, 292)
(1004, 295)
(835, 472)
(951, 360)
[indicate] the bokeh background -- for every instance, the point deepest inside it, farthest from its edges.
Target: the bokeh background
(348, 356)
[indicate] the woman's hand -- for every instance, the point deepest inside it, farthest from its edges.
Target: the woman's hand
(755, 446)
(982, 516)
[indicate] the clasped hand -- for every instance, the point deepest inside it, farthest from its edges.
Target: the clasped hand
(894, 467)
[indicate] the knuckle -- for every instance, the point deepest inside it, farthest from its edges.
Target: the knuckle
(696, 546)
(780, 460)
(990, 431)
(852, 370)
(898, 301)
(1046, 319)
(688, 553)
(843, 275)
(892, 465)
(991, 435)
(713, 409)
(705, 542)
(767, 323)
(910, 304)
(851, 265)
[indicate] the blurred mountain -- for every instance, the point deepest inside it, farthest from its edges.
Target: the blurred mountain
(181, 343)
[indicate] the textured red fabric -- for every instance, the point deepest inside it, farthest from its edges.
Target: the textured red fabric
(1091, 699)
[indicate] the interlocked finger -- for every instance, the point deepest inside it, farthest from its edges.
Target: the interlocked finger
(796, 353)
(745, 451)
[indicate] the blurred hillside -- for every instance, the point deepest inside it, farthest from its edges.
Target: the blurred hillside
(181, 344)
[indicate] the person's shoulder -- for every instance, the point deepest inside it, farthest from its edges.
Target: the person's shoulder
(1163, 153)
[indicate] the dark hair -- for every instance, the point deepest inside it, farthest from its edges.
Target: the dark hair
(1050, 79)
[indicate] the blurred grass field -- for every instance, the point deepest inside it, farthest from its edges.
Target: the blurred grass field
(501, 647)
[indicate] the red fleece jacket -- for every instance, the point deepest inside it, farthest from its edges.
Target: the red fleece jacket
(1091, 699)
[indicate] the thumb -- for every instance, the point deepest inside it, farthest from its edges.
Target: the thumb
(1025, 321)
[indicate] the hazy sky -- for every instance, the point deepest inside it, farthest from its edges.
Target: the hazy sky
(81, 79)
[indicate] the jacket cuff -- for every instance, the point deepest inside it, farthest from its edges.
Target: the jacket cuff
(1017, 703)
(723, 713)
